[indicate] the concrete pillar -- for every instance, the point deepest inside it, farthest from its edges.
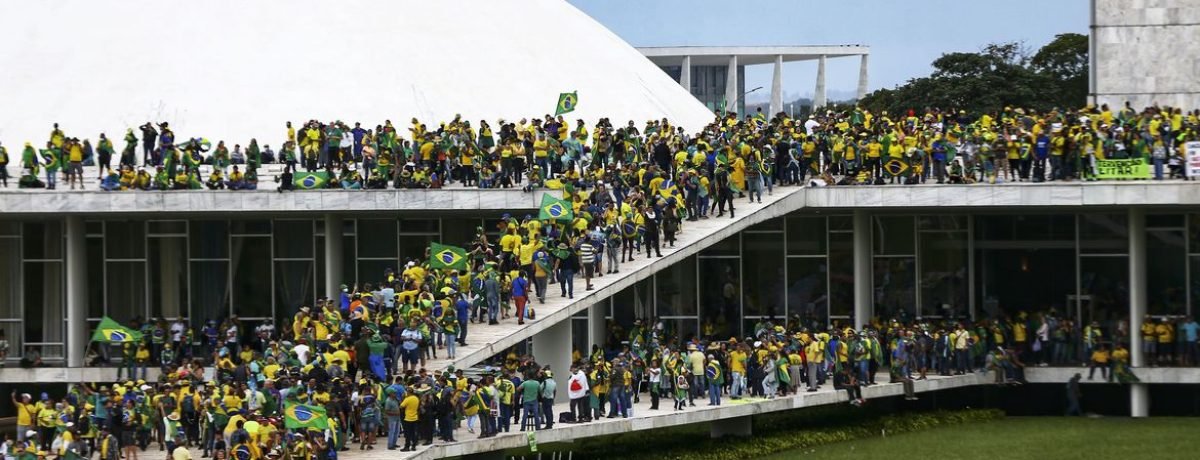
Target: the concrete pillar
(552, 347)
(819, 95)
(172, 262)
(777, 87)
(736, 426)
(1139, 394)
(862, 76)
(597, 324)
(731, 85)
(685, 73)
(77, 308)
(333, 256)
(862, 269)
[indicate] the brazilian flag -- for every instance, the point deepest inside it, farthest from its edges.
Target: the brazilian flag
(310, 180)
(109, 331)
(556, 209)
(304, 416)
(447, 257)
(895, 167)
(566, 103)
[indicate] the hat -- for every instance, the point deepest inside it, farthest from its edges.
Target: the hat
(691, 347)
(173, 416)
(30, 434)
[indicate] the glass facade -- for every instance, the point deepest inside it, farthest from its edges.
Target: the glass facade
(709, 82)
(796, 269)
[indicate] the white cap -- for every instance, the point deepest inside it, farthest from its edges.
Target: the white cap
(30, 433)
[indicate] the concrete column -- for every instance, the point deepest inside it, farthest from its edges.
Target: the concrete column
(172, 258)
(862, 76)
(819, 95)
(77, 308)
(597, 324)
(1139, 394)
(333, 256)
(553, 347)
(862, 269)
(777, 87)
(685, 73)
(736, 426)
(731, 85)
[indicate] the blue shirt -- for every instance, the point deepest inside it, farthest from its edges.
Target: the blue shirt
(1191, 329)
(1042, 147)
(519, 287)
(464, 310)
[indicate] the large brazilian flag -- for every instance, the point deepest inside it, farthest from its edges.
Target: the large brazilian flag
(556, 209)
(304, 416)
(109, 331)
(566, 103)
(310, 180)
(447, 257)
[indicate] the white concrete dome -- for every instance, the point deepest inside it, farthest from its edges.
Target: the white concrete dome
(236, 69)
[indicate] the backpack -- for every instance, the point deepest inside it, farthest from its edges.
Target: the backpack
(189, 405)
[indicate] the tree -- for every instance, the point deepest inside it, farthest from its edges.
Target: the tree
(997, 76)
(1065, 60)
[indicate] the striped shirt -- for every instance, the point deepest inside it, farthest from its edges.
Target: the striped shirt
(587, 252)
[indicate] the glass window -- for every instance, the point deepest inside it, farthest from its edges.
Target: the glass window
(10, 228)
(727, 247)
(209, 239)
(1026, 227)
(209, 290)
(349, 275)
(125, 239)
(1104, 283)
(680, 330)
(841, 274)
(43, 301)
(376, 238)
(1014, 279)
(677, 289)
(293, 239)
(294, 286)
(893, 235)
(764, 285)
(43, 240)
(1195, 284)
(1166, 272)
(168, 227)
(841, 223)
(10, 280)
(1103, 234)
(1165, 220)
(420, 226)
(95, 283)
(631, 304)
(806, 235)
(125, 290)
(957, 222)
(895, 283)
(459, 232)
(944, 274)
(416, 247)
(720, 309)
(373, 271)
(93, 227)
(769, 224)
(1194, 233)
(251, 227)
(807, 291)
(168, 277)
(251, 264)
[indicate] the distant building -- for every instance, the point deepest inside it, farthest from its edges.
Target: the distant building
(1145, 52)
(716, 74)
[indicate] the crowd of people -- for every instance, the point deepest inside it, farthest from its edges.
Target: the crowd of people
(362, 358)
(853, 146)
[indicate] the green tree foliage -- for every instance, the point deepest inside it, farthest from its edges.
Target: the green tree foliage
(999, 75)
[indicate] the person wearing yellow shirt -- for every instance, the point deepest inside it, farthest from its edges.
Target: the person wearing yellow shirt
(815, 356)
(1166, 342)
(26, 413)
(737, 368)
(1099, 360)
(410, 405)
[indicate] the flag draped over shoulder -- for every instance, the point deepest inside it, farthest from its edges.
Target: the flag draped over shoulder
(447, 257)
(303, 416)
(555, 209)
(566, 103)
(109, 331)
(310, 180)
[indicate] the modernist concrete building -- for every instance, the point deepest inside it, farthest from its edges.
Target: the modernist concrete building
(716, 74)
(1146, 52)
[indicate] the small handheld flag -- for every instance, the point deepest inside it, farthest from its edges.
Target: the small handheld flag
(566, 103)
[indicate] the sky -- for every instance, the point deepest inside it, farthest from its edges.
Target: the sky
(904, 36)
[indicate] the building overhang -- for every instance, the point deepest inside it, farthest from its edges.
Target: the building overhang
(748, 55)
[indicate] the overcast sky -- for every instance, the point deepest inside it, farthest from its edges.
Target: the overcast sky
(904, 36)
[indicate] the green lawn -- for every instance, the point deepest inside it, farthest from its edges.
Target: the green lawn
(1056, 438)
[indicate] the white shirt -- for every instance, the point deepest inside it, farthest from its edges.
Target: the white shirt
(177, 332)
(301, 353)
(577, 380)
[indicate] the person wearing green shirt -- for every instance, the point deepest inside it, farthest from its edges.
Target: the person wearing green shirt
(3, 166)
(530, 389)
